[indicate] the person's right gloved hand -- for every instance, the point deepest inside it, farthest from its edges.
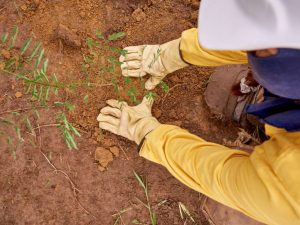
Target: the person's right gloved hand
(132, 122)
(156, 60)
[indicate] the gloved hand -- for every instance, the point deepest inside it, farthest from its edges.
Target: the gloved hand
(156, 60)
(133, 123)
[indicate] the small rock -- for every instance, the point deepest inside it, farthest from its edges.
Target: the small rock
(115, 151)
(101, 168)
(138, 15)
(107, 143)
(103, 156)
(82, 14)
(18, 94)
(5, 53)
(24, 7)
(67, 36)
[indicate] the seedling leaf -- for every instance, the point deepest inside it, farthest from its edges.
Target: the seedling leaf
(99, 34)
(4, 38)
(25, 46)
(15, 32)
(116, 36)
(38, 60)
(34, 51)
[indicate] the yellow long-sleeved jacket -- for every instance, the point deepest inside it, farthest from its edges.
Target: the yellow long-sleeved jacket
(264, 185)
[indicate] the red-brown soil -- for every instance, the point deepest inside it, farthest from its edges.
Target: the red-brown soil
(32, 191)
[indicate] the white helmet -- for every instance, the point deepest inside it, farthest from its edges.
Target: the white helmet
(249, 24)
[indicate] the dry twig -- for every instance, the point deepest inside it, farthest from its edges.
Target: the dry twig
(73, 185)
(171, 89)
(25, 109)
(126, 156)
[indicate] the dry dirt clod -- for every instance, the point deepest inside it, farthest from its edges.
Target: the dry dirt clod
(157, 113)
(24, 7)
(107, 142)
(138, 15)
(115, 151)
(103, 156)
(101, 168)
(18, 94)
(67, 36)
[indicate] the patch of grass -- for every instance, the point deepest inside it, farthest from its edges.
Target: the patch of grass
(144, 185)
(185, 214)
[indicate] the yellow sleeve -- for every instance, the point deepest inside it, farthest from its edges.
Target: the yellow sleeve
(194, 54)
(264, 185)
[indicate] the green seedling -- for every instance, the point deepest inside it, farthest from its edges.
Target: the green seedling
(150, 95)
(31, 68)
(164, 86)
(132, 94)
(91, 43)
(127, 80)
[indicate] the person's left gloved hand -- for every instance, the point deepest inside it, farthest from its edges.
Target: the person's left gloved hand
(133, 123)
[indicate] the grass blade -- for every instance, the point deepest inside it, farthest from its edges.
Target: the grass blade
(29, 126)
(139, 179)
(6, 121)
(18, 131)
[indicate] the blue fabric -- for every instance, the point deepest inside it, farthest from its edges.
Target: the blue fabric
(277, 111)
(279, 73)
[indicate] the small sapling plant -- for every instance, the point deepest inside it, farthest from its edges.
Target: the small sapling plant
(29, 66)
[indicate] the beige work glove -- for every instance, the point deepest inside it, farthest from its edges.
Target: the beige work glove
(156, 60)
(133, 123)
